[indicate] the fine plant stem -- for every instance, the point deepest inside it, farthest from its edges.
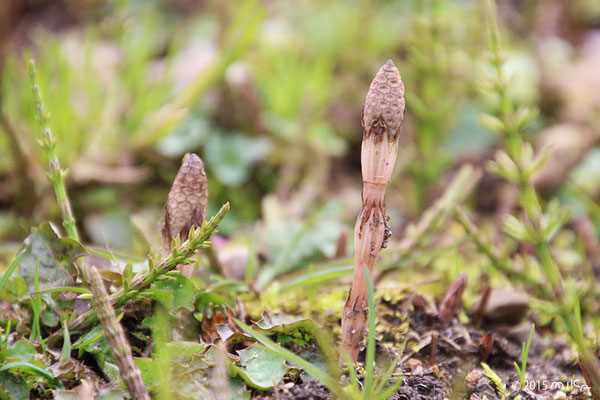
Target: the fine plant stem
(56, 174)
(496, 381)
(522, 370)
(65, 354)
(4, 341)
(370, 358)
(501, 263)
(417, 235)
(181, 254)
(36, 305)
(115, 336)
(518, 164)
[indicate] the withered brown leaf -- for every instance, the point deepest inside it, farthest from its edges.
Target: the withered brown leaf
(451, 303)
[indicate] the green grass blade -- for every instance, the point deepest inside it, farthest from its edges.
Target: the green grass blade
(352, 372)
(384, 378)
(525, 352)
(11, 269)
(310, 368)
(318, 277)
(390, 390)
(30, 367)
(60, 289)
(36, 304)
(4, 343)
(97, 337)
(65, 353)
(519, 372)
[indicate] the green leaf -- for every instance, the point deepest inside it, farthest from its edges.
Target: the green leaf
(313, 279)
(86, 342)
(300, 330)
(105, 394)
(31, 368)
(10, 270)
(231, 156)
(163, 296)
(12, 387)
(65, 354)
(188, 369)
(184, 291)
(491, 122)
(110, 370)
(237, 389)
(504, 167)
(177, 349)
(206, 298)
(56, 258)
(260, 368)
(149, 370)
(330, 381)
(22, 350)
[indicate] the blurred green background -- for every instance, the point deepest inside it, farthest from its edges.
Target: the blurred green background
(269, 94)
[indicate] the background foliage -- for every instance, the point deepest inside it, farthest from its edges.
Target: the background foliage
(269, 94)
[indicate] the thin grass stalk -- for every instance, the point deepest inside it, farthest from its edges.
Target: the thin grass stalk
(460, 187)
(519, 170)
(499, 262)
(56, 174)
(381, 120)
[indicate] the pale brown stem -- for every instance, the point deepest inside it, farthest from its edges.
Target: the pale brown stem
(381, 121)
(115, 336)
(369, 236)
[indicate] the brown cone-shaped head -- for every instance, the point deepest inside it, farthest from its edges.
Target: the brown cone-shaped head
(186, 204)
(384, 105)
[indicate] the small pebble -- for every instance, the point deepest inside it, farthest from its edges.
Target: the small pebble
(472, 378)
